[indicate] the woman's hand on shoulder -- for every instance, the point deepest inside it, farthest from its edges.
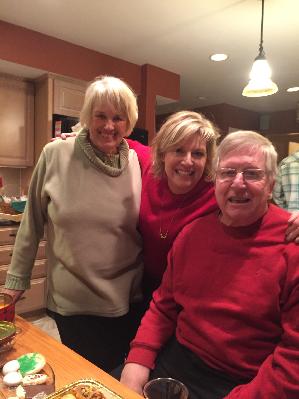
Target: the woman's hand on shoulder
(64, 136)
(292, 232)
(135, 376)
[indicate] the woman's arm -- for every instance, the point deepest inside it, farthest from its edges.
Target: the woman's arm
(29, 234)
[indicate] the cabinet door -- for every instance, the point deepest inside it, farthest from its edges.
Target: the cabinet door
(39, 270)
(16, 122)
(68, 97)
(7, 250)
(34, 298)
(8, 235)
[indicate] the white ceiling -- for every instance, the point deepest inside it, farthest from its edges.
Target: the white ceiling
(180, 35)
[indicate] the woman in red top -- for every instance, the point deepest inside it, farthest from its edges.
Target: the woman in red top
(176, 187)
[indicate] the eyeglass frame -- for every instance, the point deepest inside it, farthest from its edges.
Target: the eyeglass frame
(236, 171)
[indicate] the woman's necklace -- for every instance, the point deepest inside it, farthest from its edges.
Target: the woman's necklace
(164, 232)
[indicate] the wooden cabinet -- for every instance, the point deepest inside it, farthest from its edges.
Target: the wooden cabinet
(55, 95)
(68, 97)
(34, 298)
(16, 121)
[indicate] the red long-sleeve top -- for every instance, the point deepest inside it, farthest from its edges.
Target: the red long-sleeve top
(162, 210)
(231, 295)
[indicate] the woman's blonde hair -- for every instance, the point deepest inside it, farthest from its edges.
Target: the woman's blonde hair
(112, 91)
(179, 127)
(251, 142)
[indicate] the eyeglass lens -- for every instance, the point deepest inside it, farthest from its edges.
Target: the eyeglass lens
(225, 174)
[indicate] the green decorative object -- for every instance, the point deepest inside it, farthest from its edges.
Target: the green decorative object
(18, 206)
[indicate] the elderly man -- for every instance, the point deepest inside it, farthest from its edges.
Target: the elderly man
(225, 319)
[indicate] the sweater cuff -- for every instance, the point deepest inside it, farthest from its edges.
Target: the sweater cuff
(142, 356)
(17, 283)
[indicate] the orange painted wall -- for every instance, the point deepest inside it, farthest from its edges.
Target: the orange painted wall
(34, 49)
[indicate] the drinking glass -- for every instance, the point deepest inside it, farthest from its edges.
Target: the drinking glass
(7, 308)
(165, 388)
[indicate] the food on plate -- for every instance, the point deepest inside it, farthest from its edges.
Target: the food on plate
(18, 384)
(10, 366)
(12, 379)
(84, 392)
(20, 392)
(68, 396)
(31, 363)
(34, 379)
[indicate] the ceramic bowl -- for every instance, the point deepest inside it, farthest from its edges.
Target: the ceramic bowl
(7, 332)
(18, 206)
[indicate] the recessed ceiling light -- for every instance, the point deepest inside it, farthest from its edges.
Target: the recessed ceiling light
(290, 89)
(202, 98)
(218, 57)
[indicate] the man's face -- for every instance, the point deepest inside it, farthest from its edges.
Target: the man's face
(242, 198)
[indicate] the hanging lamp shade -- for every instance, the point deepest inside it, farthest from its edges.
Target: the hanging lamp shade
(260, 83)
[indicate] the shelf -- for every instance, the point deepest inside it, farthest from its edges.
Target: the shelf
(13, 218)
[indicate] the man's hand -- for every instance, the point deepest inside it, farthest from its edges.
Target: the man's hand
(64, 136)
(135, 376)
(292, 232)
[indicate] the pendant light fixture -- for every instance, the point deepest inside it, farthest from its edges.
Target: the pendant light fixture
(260, 83)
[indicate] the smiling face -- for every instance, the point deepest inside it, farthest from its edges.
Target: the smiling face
(184, 165)
(107, 128)
(241, 201)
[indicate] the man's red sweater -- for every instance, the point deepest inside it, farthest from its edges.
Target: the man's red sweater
(231, 295)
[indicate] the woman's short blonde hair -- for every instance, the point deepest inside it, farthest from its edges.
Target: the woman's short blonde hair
(251, 142)
(179, 127)
(112, 91)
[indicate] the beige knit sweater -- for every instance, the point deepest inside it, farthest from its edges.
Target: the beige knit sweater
(94, 249)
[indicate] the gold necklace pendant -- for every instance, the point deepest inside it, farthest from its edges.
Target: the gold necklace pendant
(163, 235)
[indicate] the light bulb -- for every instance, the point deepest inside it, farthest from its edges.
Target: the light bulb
(260, 70)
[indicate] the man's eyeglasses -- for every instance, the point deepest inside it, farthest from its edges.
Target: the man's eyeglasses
(229, 174)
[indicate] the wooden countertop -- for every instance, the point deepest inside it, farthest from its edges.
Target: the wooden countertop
(68, 366)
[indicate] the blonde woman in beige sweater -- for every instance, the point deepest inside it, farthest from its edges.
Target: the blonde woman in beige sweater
(86, 192)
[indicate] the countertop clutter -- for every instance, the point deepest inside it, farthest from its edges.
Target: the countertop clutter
(68, 367)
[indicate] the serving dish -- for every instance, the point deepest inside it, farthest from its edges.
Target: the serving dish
(7, 332)
(95, 385)
(18, 206)
(39, 391)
